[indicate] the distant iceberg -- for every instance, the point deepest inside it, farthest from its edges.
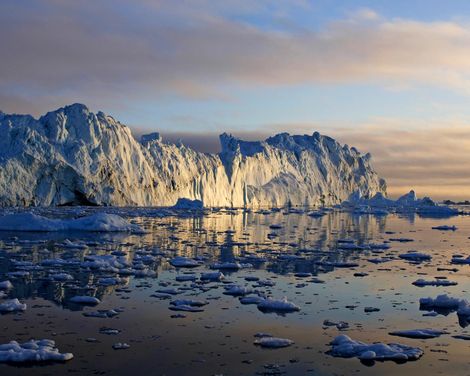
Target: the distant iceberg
(379, 204)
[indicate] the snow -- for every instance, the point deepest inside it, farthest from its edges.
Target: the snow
(85, 158)
(12, 305)
(100, 222)
(345, 347)
(419, 333)
(32, 351)
(273, 342)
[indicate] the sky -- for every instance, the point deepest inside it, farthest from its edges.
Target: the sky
(388, 77)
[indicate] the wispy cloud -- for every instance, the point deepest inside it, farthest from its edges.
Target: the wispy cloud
(110, 52)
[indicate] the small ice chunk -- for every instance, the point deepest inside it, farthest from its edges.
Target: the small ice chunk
(445, 228)
(32, 351)
(441, 301)
(236, 290)
(437, 282)
(6, 285)
(84, 299)
(121, 346)
(418, 333)
(212, 276)
(102, 314)
(184, 262)
(255, 299)
(345, 347)
(12, 305)
(415, 256)
(273, 342)
(230, 266)
(273, 305)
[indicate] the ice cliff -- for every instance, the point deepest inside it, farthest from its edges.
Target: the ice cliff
(73, 156)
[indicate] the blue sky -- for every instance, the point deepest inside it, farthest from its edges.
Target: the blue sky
(391, 77)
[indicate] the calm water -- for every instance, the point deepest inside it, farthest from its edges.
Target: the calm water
(220, 339)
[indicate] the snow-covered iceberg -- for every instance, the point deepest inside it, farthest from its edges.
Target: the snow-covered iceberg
(74, 156)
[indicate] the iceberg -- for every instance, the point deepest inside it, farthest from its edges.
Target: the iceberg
(72, 156)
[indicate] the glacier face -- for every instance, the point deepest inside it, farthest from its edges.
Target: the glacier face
(73, 156)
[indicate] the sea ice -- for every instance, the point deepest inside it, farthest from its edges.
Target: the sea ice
(99, 222)
(418, 333)
(83, 299)
(273, 305)
(12, 305)
(32, 351)
(273, 342)
(345, 347)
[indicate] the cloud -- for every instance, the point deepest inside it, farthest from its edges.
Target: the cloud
(108, 53)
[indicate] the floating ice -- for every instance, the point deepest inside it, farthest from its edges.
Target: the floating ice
(345, 347)
(273, 342)
(99, 222)
(188, 302)
(12, 305)
(121, 346)
(441, 301)
(251, 300)
(188, 204)
(273, 305)
(184, 262)
(419, 333)
(212, 276)
(230, 266)
(6, 285)
(445, 228)
(83, 299)
(102, 313)
(235, 290)
(437, 282)
(415, 256)
(32, 351)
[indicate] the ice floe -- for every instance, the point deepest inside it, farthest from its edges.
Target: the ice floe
(274, 305)
(418, 333)
(345, 347)
(84, 299)
(33, 351)
(273, 342)
(99, 222)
